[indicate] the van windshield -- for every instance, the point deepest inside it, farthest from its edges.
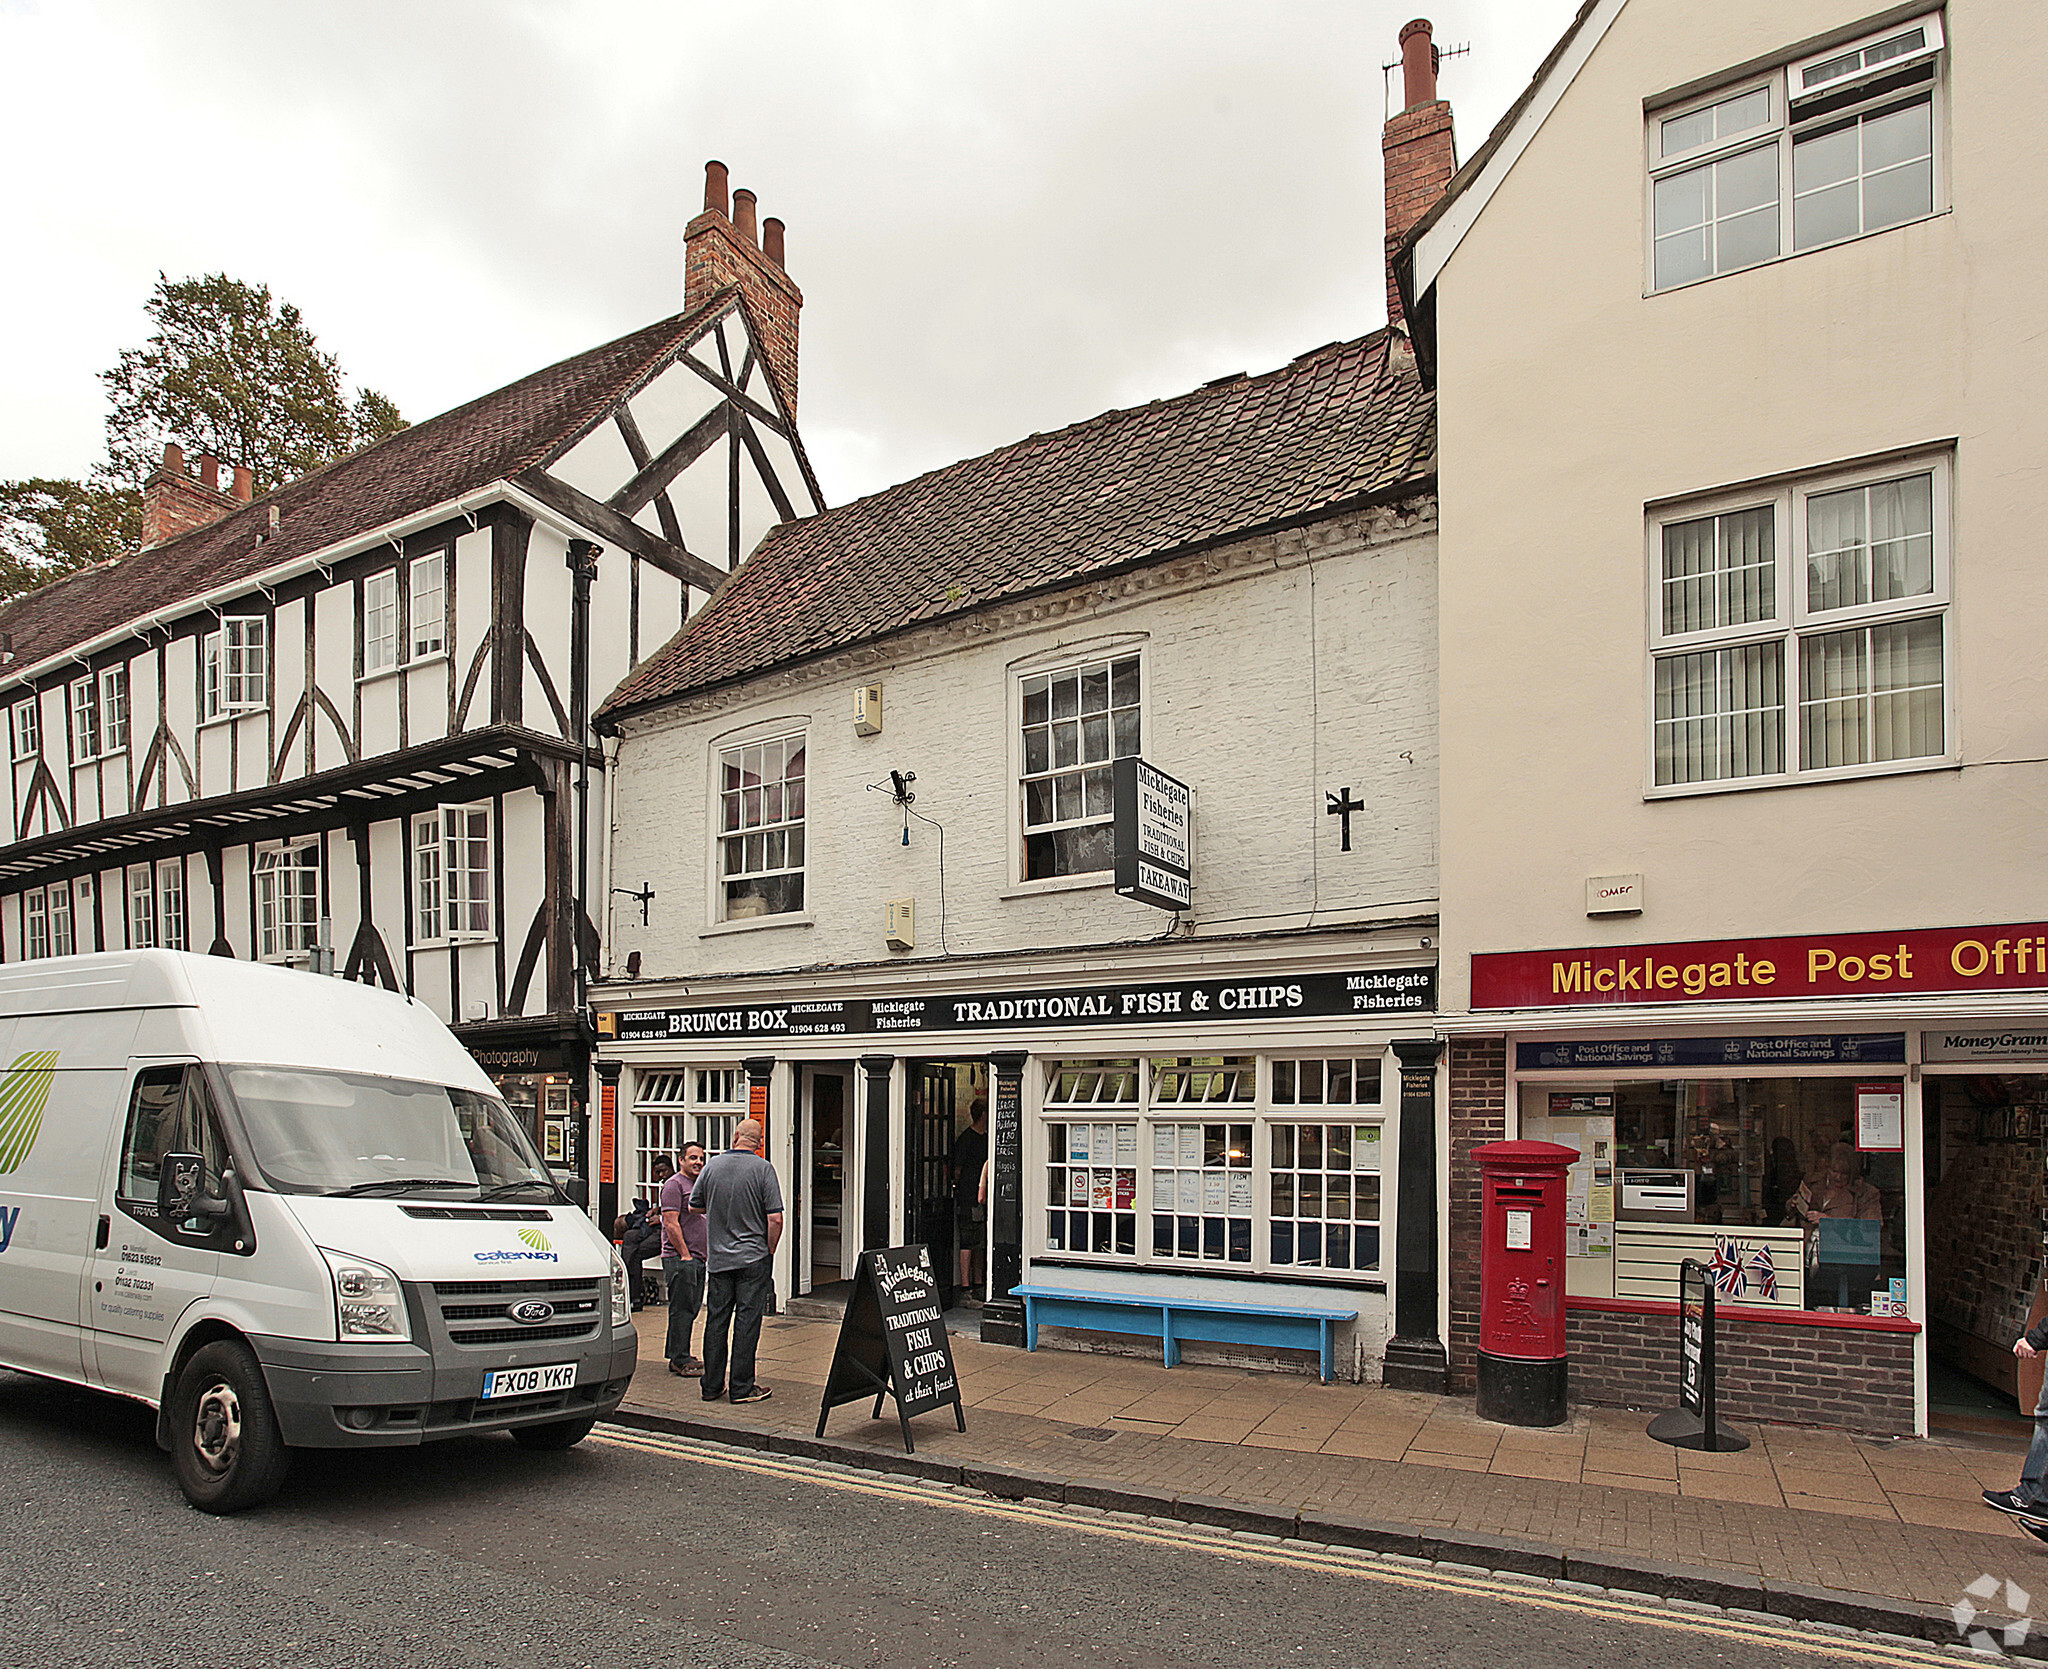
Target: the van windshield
(341, 1132)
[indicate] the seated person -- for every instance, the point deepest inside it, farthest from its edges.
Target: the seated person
(1838, 1191)
(638, 1233)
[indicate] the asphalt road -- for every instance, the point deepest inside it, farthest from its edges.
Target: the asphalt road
(641, 1550)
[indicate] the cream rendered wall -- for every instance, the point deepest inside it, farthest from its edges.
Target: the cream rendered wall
(1568, 399)
(1274, 671)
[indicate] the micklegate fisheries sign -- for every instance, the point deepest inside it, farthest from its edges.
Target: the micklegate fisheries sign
(1302, 996)
(1153, 830)
(1918, 962)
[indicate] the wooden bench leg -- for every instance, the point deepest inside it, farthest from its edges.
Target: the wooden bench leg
(1166, 1336)
(1329, 1352)
(1030, 1324)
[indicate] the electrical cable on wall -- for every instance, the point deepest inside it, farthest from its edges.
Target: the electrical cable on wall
(897, 787)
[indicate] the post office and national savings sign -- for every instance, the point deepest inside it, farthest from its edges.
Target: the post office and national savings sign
(1905, 963)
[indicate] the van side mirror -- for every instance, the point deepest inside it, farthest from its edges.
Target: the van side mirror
(578, 1190)
(181, 1189)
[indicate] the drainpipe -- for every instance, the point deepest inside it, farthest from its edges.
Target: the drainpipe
(582, 561)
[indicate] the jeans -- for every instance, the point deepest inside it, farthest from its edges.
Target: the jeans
(685, 1299)
(2036, 1466)
(739, 1298)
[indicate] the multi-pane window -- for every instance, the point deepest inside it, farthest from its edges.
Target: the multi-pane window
(85, 719)
(1828, 594)
(1076, 722)
(170, 904)
(452, 873)
(761, 828)
(113, 709)
(141, 906)
(695, 1104)
(287, 899)
(1825, 149)
(429, 605)
(62, 943)
(1181, 1161)
(24, 729)
(35, 924)
(235, 666)
(380, 621)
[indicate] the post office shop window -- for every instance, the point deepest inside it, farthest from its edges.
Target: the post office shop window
(24, 729)
(1822, 150)
(380, 621)
(234, 665)
(1076, 721)
(1802, 632)
(451, 859)
(1770, 1153)
(761, 829)
(85, 719)
(287, 900)
(171, 1111)
(428, 605)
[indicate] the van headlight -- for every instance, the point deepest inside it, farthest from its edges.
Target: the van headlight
(368, 1301)
(622, 1293)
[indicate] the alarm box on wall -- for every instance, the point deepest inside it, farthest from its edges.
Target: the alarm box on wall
(900, 929)
(867, 710)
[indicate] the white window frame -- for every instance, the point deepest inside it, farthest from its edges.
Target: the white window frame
(84, 707)
(676, 1105)
(235, 666)
(1789, 121)
(142, 906)
(794, 831)
(287, 890)
(113, 710)
(35, 924)
(63, 941)
(1794, 621)
(25, 728)
(171, 925)
(380, 622)
(452, 875)
(1068, 662)
(427, 600)
(1153, 1111)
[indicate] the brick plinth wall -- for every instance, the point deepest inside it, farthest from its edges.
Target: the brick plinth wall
(1857, 1379)
(1478, 1069)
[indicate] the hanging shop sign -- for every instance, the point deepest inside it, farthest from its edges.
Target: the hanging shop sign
(1203, 1001)
(1905, 964)
(1866, 1049)
(1153, 829)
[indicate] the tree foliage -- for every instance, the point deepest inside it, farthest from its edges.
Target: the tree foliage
(232, 371)
(52, 527)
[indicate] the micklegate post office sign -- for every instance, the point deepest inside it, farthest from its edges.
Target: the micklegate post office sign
(1302, 996)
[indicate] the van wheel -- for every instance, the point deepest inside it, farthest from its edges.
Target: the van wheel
(224, 1438)
(562, 1434)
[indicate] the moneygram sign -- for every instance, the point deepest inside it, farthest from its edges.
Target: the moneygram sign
(1920, 962)
(1154, 829)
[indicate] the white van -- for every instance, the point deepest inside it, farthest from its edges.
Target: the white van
(286, 1212)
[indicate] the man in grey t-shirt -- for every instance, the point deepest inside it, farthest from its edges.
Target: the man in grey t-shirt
(742, 1204)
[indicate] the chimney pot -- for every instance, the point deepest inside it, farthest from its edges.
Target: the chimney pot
(174, 457)
(714, 188)
(245, 482)
(209, 471)
(743, 215)
(1418, 64)
(771, 240)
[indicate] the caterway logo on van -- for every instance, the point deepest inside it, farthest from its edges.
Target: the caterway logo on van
(24, 1093)
(541, 1252)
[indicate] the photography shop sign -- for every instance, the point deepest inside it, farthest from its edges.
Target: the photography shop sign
(1304, 996)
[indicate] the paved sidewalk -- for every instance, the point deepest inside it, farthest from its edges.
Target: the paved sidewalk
(1800, 1509)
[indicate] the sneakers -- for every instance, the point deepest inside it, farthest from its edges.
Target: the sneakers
(760, 1393)
(2017, 1505)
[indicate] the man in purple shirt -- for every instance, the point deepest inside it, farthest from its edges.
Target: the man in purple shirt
(685, 1245)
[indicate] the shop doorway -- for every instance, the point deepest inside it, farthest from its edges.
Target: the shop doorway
(828, 1240)
(944, 1156)
(1983, 1155)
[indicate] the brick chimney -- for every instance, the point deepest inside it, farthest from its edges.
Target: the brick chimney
(720, 248)
(174, 503)
(1421, 155)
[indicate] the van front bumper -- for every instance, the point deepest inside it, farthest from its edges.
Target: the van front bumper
(344, 1396)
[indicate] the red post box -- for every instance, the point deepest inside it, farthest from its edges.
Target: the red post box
(1522, 1370)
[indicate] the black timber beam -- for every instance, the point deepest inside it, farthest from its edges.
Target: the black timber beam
(627, 535)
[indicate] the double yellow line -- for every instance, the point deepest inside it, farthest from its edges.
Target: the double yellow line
(1295, 1557)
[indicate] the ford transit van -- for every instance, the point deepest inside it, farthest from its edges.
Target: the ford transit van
(285, 1211)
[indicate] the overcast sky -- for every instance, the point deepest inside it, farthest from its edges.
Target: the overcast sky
(1003, 217)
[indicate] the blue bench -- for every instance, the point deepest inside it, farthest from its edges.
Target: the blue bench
(1171, 1320)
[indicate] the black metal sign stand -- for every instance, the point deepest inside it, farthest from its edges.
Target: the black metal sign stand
(1693, 1423)
(892, 1342)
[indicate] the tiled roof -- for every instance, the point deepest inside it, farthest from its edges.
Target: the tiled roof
(430, 463)
(1344, 423)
